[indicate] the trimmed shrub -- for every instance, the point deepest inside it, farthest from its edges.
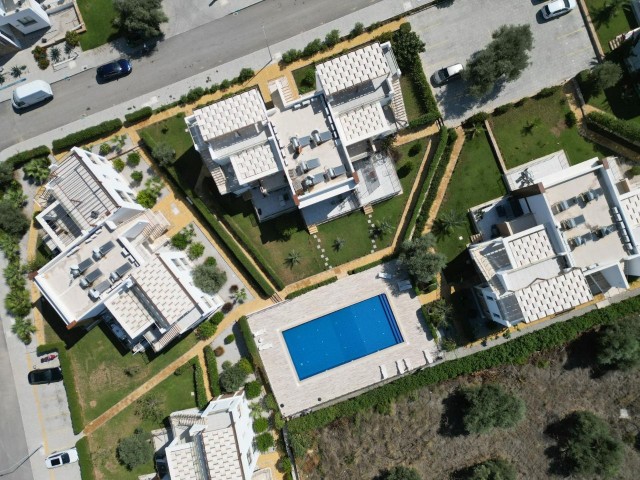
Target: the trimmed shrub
(245, 75)
(198, 381)
(137, 176)
(87, 135)
(118, 165)
(614, 126)
(517, 350)
(72, 38)
(229, 339)
(252, 389)
(313, 47)
(291, 56)
(196, 250)
(546, 92)
(302, 291)
(180, 241)
(570, 119)
(250, 342)
(502, 109)
(219, 351)
(415, 149)
(284, 464)
(358, 29)
(332, 38)
(232, 378)
(225, 84)
(133, 159)
(212, 371)
(19, 159)
(217, 317)
(264, 442)
(260, 425)
(245, 365)
(206, 330)
(138, 115)
(105, 149)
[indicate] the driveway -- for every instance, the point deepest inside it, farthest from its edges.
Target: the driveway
(561, 48)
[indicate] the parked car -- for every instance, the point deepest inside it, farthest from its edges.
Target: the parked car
(557, 8)
(61, 458)
(30, 94)
(113, 70)
(45, 375)
(447, 74)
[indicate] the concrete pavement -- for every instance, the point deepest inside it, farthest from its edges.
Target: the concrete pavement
(213, 52)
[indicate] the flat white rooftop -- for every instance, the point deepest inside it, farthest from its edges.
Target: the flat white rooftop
(531, 172)
(353, 68)
(254, 163)
(295, 396)
(363, 122)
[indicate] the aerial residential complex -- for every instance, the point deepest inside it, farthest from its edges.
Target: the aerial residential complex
(17, 19)
(316, 154)
(113, 259)
(215, 443)
(556, 240)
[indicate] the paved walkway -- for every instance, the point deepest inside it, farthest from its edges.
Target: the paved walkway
(444, 183)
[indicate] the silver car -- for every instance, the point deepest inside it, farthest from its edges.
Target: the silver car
(447, 74)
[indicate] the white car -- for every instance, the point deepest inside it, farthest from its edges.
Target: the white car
(447, 74)
(557, 8)
(61, 458)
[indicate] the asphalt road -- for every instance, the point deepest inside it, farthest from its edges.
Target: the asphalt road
(176, 59)
(561, 48)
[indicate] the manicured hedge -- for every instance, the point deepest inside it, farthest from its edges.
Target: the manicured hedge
(423, 93)
(84, 459)
(614, 126)
(514, 351)
(434, 183)
(19, 159)
(87, 135)
(75, 410)
(250, 342)
(198, 381)
(302, 291)
(138, 115)
(212, 371)
(426, 180)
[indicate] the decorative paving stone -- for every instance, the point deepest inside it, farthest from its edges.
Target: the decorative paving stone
(323, 250)
(318, 247)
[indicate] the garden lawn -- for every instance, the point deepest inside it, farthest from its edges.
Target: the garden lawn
(413, 107)
(174, 393)
(608, 26)
(98, 17)
(298, 76)
(99, 363)
(520, 143)
(620, 100)
(475, 180)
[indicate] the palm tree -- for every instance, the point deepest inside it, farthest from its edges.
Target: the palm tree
(475, 129)
(54, 53)
(293, 258)
(531, 125)
(338, 243)
(447, 222)
(382, 228)
(23, 328)
(240, 296)
(37, 169)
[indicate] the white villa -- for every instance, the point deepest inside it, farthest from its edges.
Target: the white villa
(19, 17)
(562, 235)
(215, 443)
(316, 154)
(113, 259)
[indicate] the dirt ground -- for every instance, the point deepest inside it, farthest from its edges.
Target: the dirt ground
(424, 431)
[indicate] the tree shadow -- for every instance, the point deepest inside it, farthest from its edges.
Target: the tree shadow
(557, 430)
(451, 424)
(581, 354)
(462, 473)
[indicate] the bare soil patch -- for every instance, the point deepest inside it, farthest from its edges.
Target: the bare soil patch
(423, 431)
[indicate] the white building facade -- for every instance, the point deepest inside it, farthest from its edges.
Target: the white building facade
(562, 236)
(21, 17)
(316, 154)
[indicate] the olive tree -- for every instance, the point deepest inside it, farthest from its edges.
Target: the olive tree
(619, 345)
(420, 260)
(488, 407)
(139, 19)
(208, 278)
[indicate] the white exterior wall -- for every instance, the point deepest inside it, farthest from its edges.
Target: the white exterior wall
(32, 13)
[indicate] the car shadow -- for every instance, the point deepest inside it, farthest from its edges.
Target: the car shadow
(31, 108)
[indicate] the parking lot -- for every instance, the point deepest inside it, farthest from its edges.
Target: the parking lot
(561, 48)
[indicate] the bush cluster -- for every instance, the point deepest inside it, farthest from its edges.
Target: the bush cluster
(515, 351)
(41, 57)
(250, 342)
(488, 407)
(614, 126)
(86, 135)
(138, 115)
(212, 371)
(232, 377)
(304, 290)
(260, 425)
(19, 159)
(252, 389)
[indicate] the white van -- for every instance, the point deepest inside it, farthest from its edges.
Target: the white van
(31, 93)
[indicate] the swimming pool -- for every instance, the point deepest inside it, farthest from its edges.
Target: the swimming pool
(342, 336)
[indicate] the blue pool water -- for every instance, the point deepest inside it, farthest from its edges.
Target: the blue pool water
(342, 336)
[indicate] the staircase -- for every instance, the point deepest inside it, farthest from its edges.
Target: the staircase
(220, 179)
(397, 104)
(276, 298)
(283, 84)
(367, 209)
(616, 42)
(171, 334)
(312, 229)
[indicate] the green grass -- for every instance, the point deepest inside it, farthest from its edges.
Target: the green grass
(99, 364)
(98, 17)
(475, 180)
(174, 394)
(298, 76)
(411, 104)
(620, 100)
(520, 143)
(608, 26)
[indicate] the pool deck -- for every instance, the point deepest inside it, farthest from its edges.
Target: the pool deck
(295, 396)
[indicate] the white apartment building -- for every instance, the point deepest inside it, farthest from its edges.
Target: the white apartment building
(19, 17)
(114, 261)
(562, 235)
(213, 444)
(316, 154)
(83, 191)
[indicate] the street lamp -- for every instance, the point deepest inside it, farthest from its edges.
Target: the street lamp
(267, 42)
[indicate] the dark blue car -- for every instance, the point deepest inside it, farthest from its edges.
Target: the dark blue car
(112, 70)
